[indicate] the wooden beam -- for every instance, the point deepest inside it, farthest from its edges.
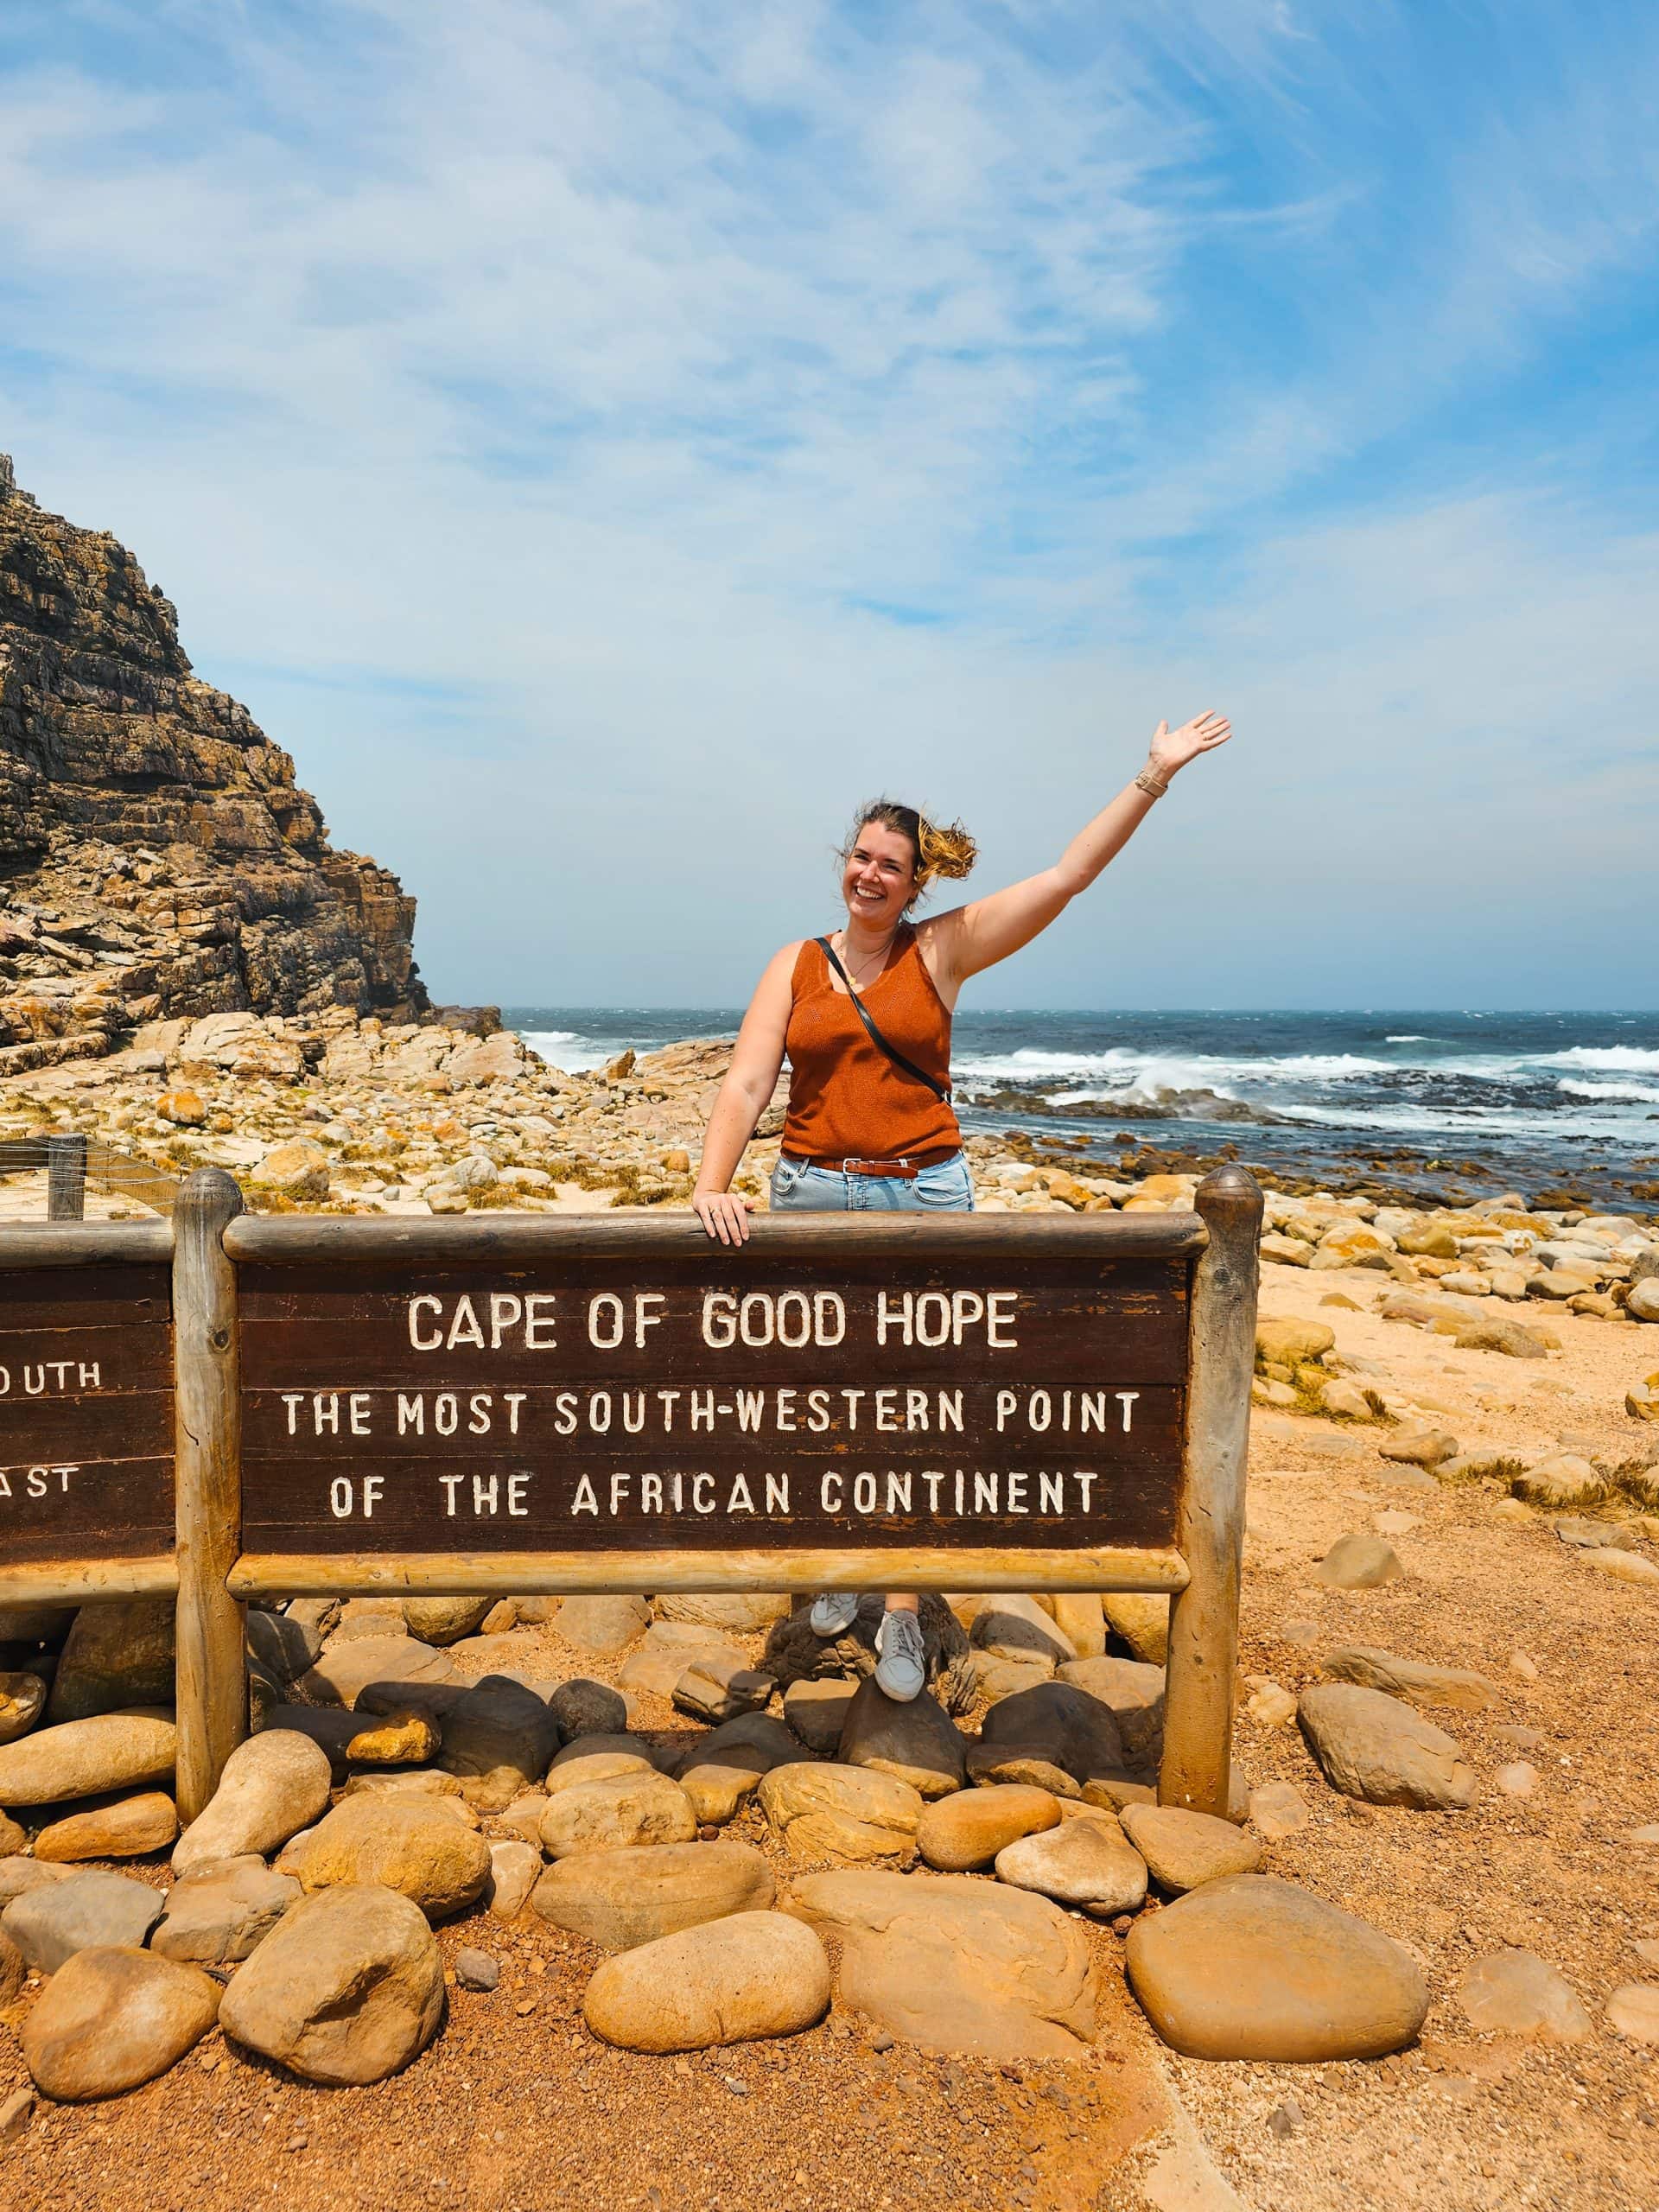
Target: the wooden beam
(547, 1573)
(213, 1689)
(1204, 1620)
(66, 1177)
(294, 1240)
(86, 1243)
(78, 1581)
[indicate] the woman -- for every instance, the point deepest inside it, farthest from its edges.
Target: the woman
(869, 1127)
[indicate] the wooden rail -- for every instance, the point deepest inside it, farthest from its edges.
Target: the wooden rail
(466, 1406)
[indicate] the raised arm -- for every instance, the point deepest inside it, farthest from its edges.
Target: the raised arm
(985, 931)
(742, 1099)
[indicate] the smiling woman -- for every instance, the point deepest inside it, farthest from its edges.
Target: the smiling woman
(864, 1016)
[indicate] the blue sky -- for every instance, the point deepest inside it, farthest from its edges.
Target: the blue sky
(603, 442)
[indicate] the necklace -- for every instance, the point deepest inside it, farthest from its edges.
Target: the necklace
(854, 970)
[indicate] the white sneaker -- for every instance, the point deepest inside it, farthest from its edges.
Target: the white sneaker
(901, 1671)
(833, 1611)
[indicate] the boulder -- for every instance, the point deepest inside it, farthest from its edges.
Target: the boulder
(584, 1708)
(84, 1912)
(113, 2017)
(1562, 1482)
(1359, 1562)
(1517, 1993)
(714, 1688)
(284, 1644)
(272, 1786)
(718, 1773)
(917, 1742)
(1182, 1850)
(298, 1167)
(1644, 1299)
(735, 1613)
(1623, 1566)
(825, 1796)
(621, 1899)
(1370, 1745)
(1253, 1967)
(126, 1827)
(1411, 1679)
(1633, 2011)
(14, 1972)
(817, 1710)
(22, 1701)
(602, 1758)
(1052, 1737)
(498, 1737)
(18, 1874)
(1419, 1447)
(1010, 1626)
(219, 1914)
(515, 1868)
(1514, 1339)
(85, 1759)
(627, 1809)
(1288, 1342)
(396, 1841)
(348, 1988)
(331, 1728)
(733, 1980)
(1140, 1619)
(445, 1620)
(962, 1833)
(397, 1663)
(603, 1625)
(117, 1654)
(1080, 1619)
(1081, 1862)
(954, 1963)
(1133, 1692)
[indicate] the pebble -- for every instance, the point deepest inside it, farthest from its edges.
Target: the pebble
(476, 1970)
(1517, 1779)
(1278, 1809)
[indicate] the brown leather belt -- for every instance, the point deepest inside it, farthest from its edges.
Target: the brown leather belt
(901, 1171)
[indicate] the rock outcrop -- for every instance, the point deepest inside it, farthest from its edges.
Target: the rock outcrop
(160, 861)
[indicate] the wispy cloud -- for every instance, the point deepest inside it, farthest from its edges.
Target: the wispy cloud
(719, 414)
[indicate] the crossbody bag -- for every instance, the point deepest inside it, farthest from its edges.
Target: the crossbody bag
(941, 1091)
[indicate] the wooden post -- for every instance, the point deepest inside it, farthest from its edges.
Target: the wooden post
(1203, 1617)
(213, 1686)
(66, 1178)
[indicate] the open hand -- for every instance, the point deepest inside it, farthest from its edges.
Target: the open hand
(725, 1217)
(1173, 749)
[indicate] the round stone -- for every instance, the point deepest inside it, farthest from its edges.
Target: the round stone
(1250, 1967)
(962, 1833)
(113, 2017)
(731, 1981)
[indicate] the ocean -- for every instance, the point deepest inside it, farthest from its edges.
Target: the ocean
(1538, 1102)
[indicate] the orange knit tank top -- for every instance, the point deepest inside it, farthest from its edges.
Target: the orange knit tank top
(847, 1099)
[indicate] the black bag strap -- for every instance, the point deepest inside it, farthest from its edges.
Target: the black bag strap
(940, 1090)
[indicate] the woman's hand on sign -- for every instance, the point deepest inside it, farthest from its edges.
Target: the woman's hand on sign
(1173, 749)
(725, 1215)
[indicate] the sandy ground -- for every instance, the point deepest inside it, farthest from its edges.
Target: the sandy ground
(516, 2109)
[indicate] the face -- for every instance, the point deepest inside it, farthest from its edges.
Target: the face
(878, 879)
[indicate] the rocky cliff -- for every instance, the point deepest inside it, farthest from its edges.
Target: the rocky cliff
(157, 858)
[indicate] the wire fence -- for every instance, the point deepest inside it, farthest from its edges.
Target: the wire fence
(72, 1161)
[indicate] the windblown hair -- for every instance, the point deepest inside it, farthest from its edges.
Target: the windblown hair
(941, 850)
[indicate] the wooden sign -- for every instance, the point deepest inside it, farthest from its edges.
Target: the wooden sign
(85, 1414)
(986, 1397)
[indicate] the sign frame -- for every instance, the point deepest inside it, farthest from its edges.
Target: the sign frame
(210, 1238)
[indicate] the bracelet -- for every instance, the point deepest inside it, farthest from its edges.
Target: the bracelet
(1145, 781)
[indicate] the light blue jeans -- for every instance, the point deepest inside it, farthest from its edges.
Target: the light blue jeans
(798, 1187)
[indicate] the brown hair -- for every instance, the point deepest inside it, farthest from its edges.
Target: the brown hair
(946, 850)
